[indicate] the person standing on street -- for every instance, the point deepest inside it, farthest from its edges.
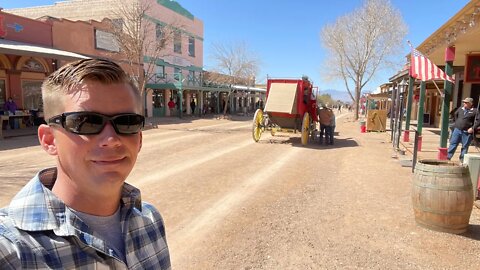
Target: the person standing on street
(464, 126)
(10, 107)
(171, 106)
(325, 119)
(192, 106)
(81, 214)
(332, 128)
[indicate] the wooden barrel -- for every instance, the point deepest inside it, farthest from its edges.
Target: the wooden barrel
(442, 196)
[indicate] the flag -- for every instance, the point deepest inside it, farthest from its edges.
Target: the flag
(423, 69)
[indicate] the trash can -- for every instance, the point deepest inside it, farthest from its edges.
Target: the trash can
(363, 127)
(473, 163)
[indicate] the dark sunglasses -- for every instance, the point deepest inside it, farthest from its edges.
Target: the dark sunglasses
(90, 123)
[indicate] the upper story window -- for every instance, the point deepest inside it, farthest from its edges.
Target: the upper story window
(118, 24)
(191, 46)
(159, 31)
(177, 42)
(160, 71)
(177, 72)
(191, 75)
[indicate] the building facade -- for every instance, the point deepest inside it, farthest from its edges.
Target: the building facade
(27, 56)
(174, 73)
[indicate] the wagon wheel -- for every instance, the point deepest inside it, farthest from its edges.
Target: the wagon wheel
(257, 125)
(305, 128)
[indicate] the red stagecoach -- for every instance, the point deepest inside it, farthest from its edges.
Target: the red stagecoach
(291, 105)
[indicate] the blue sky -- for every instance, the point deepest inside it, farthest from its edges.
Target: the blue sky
(285, 35)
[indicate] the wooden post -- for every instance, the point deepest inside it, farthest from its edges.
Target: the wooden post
(449, 57)
(406, 135)
(421, 109)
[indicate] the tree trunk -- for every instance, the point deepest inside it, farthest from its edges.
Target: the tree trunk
(357, 100)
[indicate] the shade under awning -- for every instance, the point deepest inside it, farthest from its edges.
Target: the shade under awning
(20, 48)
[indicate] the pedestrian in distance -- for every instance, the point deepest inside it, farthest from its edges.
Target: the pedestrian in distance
(10, 107)
(192, 106)
(325, 119)
(332, 127)
(81, 214)
(463, 128)
(171, 106)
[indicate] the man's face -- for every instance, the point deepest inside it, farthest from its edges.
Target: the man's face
(467, 105)
(98, 163)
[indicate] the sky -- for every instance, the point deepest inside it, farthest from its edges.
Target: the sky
(285, 35)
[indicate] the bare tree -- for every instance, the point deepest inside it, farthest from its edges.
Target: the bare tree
(140, 40)
(237, 62)
(361, 43)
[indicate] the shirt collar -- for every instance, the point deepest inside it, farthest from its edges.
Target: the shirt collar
(36, 208)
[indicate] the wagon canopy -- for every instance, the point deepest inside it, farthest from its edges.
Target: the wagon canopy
(282, 98)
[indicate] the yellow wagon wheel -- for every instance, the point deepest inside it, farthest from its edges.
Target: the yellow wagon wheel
(305, 128)
(257, 125)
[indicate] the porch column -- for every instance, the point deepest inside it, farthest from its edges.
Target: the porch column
(449, 57)
(406, 134)
(421, 106)
(188, 98)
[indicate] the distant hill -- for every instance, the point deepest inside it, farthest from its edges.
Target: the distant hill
(337, 95)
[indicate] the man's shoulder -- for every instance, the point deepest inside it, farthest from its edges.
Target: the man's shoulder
(149, 211)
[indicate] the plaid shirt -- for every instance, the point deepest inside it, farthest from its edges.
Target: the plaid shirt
(37, 231)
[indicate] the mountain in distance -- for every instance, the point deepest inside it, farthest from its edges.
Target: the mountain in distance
(337, 94)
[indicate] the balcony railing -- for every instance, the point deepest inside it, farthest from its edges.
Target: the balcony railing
(185, 81)
(176, 79)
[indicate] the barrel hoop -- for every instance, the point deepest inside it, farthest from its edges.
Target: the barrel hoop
(447, 188)
(440, 212)
(443, 175)
(437, 227)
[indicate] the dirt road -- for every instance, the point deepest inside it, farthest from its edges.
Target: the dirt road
(230, 203)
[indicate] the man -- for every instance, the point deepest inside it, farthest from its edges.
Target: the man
(171, 106)
(192, 106)
(325, 119)
(81, 213)
(464, 126)
(10, 107)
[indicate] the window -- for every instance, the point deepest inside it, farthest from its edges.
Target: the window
(177, 42)
(160, 71)
(191, 75)
(32, 95)
(159, 31)
(118, 25)
(191, 46)
(177, 73)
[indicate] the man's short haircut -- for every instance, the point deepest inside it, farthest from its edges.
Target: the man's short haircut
(65, 80)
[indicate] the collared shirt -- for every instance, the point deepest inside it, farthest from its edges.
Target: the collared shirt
(465, 118)
(37, 231)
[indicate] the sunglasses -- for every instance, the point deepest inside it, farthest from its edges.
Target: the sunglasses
(90, 123)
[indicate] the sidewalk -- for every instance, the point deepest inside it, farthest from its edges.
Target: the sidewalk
(430, 143)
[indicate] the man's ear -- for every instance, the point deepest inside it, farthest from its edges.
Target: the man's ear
(47, 140)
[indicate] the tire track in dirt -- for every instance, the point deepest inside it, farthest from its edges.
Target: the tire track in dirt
(188, 163)
(191, 231)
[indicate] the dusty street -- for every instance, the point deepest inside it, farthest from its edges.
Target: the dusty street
(230, 203)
